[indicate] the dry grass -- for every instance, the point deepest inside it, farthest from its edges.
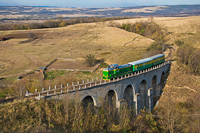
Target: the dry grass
(74, 42)
(171, 24)
(11, 61)
(186, 28)
(74, 65)
(180, 78)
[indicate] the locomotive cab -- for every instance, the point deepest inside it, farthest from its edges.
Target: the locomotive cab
(114, 70)
(110, 72)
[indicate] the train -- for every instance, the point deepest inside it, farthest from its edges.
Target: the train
(115, 70)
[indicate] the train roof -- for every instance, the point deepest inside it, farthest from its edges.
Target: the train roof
(140, 61)
(157, 56)
(125, 65)
(113, 66)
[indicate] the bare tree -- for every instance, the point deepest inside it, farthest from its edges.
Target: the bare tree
(31, 36)
(171, 118)
(90, 60)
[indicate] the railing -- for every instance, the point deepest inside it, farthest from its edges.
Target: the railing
(83, 86)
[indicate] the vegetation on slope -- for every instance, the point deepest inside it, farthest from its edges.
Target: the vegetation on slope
(189, 56)
(62, 116)
(146, 28)
(60, 22)
(178, 109)
(151, 30)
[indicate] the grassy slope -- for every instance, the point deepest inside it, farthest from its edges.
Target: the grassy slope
(105, 42)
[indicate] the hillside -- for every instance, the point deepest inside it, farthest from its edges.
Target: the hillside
(23, 53)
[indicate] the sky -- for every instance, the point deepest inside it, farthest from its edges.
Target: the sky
(96, 3)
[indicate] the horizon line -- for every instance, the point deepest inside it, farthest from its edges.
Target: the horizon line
(100, 7)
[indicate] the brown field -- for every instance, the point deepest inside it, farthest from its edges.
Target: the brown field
(71, 65)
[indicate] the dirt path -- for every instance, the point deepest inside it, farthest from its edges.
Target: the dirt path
(33, 60)
(130, 41)
(181, 87)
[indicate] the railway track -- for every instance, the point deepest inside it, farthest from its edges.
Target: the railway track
(169, 57)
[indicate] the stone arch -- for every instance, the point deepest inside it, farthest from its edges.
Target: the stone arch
(110, 105)
(88, 103)
(162, 79)
(129, 96)
(154, 85)
(144, 94)
(156, 91)
(111, 99)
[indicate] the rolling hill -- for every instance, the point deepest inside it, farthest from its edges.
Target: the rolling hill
(24, 13)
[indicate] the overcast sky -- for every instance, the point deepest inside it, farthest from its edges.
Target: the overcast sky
(96, 3)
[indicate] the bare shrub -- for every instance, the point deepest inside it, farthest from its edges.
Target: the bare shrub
(90, 60)
(190, 57)
(194, 105)
(194, 62)
(31, 36)
(147, 29)
(179, 42)
(171, 113)
(184, 54)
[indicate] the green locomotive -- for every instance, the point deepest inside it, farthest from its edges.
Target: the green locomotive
(115, 70)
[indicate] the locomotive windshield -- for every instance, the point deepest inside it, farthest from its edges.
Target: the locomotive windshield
(113, 66)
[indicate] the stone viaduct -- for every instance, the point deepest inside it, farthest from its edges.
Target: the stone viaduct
(139, 90)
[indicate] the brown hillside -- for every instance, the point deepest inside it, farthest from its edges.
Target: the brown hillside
(31, 49)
